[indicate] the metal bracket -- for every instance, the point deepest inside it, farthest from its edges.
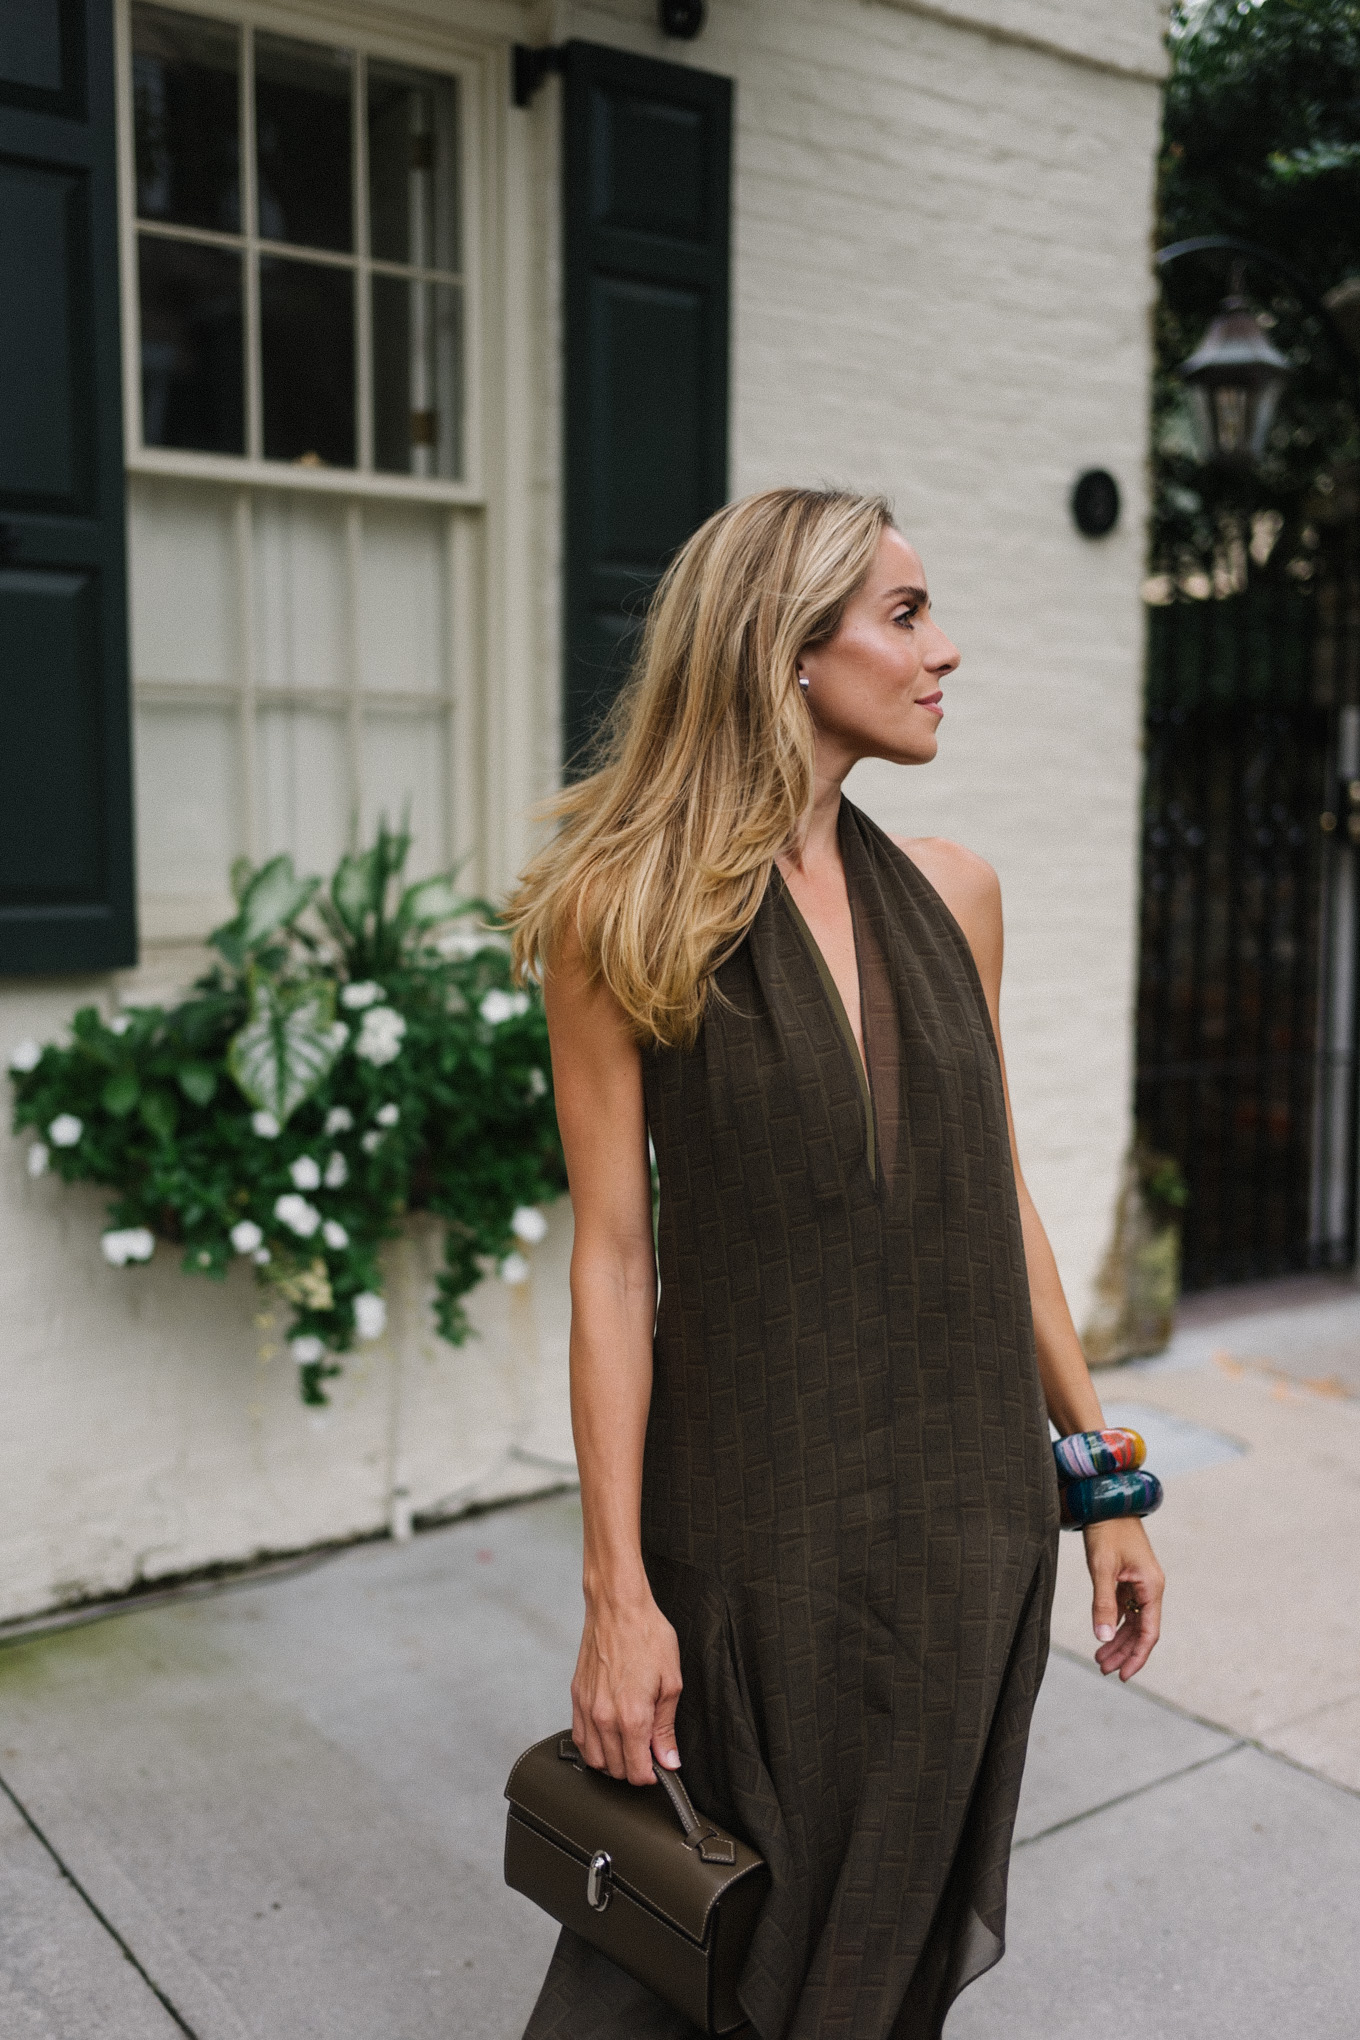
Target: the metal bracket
(531, 67)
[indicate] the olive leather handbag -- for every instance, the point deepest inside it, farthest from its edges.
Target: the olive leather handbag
(636, 1871)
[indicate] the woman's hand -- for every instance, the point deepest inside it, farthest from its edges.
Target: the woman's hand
(624, 1694)
(1127, 1606)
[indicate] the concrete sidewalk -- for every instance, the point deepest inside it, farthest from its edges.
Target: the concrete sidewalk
(274, 1811)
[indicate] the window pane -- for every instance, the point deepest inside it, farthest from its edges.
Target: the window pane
(302, 143)
(417, 377)
(186, 108)
(192, 381)
(413, 167)
(307, 361)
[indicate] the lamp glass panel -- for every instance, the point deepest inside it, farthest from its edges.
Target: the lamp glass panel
(1232, 415)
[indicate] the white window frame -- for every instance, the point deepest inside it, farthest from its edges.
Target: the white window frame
(338, 26)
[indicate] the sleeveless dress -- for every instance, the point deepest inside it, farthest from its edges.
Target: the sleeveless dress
(849, 1502)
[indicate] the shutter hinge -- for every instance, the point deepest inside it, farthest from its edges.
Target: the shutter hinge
(531, 67)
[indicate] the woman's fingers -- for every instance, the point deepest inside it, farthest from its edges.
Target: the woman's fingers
(624, 1699)
(1126, 1603)
(1132, 1644)
(664, 1748)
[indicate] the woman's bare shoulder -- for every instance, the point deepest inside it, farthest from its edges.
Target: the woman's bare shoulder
(955, 872)
(970, 889)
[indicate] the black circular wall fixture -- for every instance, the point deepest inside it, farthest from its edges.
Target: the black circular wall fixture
(682, 18)
(1095, 503)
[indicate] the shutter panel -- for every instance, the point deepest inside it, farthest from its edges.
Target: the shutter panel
(647, 180)
(66, 899)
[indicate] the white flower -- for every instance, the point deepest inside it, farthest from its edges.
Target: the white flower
(337, 1172)
(529, 1224)
(305, 1173)
(498, 1006)
(38, 1158)
(387, 1115)
(265, 1124)
(356, 997)
(538, 1084)
(462, 942)
(297, 1214)
(262, 1257)
(25, 1056)
(339, 1119)
(245, 1236)
(307, 1349)
(334, 1234)
(339, 1036)
(65, 1130)
(371, 1141)
(380, 1036)
(370, 1315)
(133, 1243)
(514, 1269)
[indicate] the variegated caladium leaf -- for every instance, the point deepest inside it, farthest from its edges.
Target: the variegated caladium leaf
(287, 1046)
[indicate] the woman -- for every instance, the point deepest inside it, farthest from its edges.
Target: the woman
(819, 1502)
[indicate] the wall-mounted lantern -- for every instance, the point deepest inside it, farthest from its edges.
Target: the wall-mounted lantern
(1235, 377)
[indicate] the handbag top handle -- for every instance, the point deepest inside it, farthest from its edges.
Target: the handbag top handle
(712, 1847)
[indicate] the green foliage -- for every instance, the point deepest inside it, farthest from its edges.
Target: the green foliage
(316, 1085)
(1164, 1185)
(1259, 141)
(287, 1045)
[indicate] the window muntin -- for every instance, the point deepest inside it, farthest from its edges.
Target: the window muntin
(301, 296)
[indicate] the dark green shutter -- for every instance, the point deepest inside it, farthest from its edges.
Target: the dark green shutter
(647, 180)
(66, 897)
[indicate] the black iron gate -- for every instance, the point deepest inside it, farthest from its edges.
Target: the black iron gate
(1247, 1008)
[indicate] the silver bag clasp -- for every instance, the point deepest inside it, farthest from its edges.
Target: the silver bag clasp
(599, 1880)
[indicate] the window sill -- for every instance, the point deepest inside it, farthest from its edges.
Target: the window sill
(270, 474)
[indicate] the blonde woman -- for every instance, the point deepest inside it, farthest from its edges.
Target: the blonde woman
(819, 1501)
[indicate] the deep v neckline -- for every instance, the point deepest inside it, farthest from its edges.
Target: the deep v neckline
(858, 1055)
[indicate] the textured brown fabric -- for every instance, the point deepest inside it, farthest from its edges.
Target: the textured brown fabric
(849, 1501)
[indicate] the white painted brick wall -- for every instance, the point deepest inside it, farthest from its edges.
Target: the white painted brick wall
(941, 289)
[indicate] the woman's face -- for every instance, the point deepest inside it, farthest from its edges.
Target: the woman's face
(875, 688)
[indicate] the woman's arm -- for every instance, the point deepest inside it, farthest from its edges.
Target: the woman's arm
(627, 1681)
(1118, 1553)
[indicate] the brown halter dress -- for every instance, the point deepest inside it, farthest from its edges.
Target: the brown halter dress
(849, 1505)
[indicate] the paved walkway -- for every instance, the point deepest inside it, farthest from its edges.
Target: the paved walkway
(274, 1811)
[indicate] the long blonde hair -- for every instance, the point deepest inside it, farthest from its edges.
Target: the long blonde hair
(662, 855)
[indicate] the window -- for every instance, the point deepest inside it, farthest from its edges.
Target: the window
(299, 250)
(306, 553)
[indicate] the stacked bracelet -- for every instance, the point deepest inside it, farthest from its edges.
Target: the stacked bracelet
(1100, 1475)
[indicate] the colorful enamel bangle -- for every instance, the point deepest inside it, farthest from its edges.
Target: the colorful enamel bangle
(1083, 1454)
(1109, 1494)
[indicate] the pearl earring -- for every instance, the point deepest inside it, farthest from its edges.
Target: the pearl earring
(803, 682)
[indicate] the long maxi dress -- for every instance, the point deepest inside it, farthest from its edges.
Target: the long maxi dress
(849, 1504)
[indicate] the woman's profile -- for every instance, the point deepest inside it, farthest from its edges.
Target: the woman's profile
(819, 1499)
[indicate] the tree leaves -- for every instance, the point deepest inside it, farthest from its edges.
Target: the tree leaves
(1260, 142)
(287, 1046)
